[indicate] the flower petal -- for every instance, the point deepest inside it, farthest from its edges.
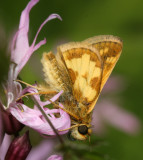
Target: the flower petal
(22, 51)
(42, 42)
(118, 117)
(55, 157)
(42, 151)
(4, 147)
(33, 90)
(33, 48)
(114, 84)
(34, 118)
(52, 16)
(20, 40)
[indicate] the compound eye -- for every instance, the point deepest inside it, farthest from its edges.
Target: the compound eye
(83, 129)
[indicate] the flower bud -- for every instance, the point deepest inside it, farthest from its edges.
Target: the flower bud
(19, 148)
(10, 123)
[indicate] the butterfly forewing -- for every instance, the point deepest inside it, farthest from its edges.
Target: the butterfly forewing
(85, 68)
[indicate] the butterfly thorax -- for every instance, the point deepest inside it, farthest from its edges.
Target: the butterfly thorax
(75, 107)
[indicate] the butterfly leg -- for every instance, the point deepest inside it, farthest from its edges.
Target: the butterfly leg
(44, 93)
(37, 93)
(50, 92)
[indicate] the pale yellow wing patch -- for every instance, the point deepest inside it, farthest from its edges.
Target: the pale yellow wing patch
(84, 66)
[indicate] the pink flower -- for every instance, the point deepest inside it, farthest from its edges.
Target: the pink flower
(20, 54)
(34, 118)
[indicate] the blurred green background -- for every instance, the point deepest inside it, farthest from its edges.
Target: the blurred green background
(83, 19)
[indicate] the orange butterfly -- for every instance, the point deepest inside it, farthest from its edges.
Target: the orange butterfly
(81, 69)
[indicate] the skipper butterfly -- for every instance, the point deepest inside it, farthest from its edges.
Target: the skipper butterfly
(81, 69)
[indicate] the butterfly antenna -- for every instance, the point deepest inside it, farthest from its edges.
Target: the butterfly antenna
(28, 84)
(76, 125)
(28, 94)
(38, 88)
(69, 128)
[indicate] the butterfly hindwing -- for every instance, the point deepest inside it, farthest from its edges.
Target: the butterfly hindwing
(109, 48)
(55, 73)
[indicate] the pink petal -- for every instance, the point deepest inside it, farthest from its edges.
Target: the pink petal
(114, 84)
(34, 119)
(4, 146)
(97, 123)
(20, 40)
(52, 16)
(21, 50)
(31, 90)
(55, 157)
(33, 48)
(53, 98)
(118, 117)
(42, 151)
(13, 43)
(42, 42)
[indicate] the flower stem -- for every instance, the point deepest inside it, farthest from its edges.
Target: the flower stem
(47, 119)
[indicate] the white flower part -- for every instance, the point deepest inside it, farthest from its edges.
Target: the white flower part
(10, 98)
(18, 89)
